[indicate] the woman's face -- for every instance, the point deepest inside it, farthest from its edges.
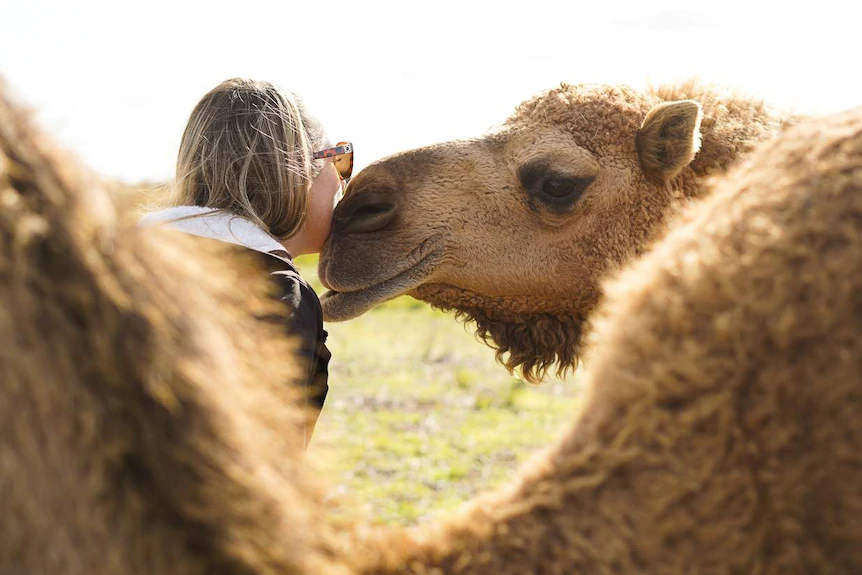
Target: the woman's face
(325, 193)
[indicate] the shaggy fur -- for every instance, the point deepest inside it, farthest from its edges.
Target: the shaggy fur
(722, 428)
(532, 343)
(553, 339)
(137, 437)
(504, 252)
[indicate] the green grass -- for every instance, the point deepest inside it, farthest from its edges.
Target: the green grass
(419, 417)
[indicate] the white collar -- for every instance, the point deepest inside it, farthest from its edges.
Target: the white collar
(217, 225)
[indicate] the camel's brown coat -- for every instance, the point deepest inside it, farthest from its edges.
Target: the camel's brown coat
(722, 429)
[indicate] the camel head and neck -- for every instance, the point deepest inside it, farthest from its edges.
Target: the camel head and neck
(515, 229)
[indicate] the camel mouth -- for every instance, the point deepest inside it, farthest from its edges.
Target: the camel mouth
(345, 305)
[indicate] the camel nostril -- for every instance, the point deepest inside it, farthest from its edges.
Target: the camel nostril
(367, 217)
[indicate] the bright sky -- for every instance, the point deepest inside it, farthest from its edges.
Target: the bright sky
(115, 81)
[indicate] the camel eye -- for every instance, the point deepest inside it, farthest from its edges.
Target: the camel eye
(553, 189)
(561, 188)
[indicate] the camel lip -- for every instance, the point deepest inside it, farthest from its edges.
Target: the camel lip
(430, 246)
(342, 306)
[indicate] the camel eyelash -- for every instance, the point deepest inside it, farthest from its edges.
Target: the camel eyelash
(556, 190)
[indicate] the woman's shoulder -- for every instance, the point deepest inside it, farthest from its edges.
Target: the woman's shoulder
(212, 225)
(305, 313)
(215, 224)
(295, 289)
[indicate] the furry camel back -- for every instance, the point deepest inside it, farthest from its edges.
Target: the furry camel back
(135, 434)
(721, 430)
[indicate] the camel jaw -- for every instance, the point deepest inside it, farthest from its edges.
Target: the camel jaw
(345, 305)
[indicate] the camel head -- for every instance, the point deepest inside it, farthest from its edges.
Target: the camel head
(516, 228)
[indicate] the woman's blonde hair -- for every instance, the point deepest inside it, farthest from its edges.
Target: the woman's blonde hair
(247, 150)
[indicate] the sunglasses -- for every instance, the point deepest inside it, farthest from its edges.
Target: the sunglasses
(342, 158)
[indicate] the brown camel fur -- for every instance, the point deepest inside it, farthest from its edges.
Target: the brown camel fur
(721, 430)
(516, 229)
(137, 437)
(722, 427)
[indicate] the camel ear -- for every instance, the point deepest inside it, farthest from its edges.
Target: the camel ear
(669, 138)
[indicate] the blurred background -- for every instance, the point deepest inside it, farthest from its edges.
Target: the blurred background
(419, 416)
(116, 81)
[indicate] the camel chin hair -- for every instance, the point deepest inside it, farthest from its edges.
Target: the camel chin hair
(532, 345)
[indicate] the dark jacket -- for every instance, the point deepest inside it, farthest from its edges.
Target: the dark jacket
(304, 320)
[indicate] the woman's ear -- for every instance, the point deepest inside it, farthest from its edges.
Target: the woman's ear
(669, 138)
